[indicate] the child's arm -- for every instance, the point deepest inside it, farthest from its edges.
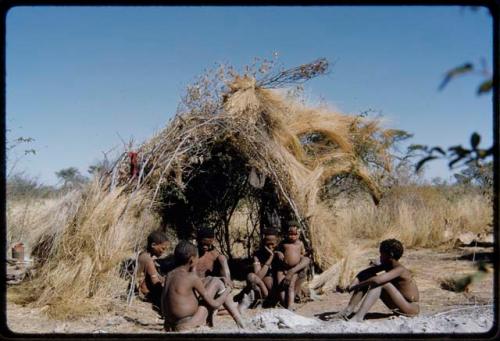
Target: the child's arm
(304, 262)
(379, 279)
(224, 270)
(150, 269)
(261, 270)
(200, 288)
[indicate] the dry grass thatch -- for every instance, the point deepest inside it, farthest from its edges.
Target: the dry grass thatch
(225, 131)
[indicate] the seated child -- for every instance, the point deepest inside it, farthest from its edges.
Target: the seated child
(149, 280)
(186, 302)
(395, 287)
(292, 271)
(261, 280)
(211, 262)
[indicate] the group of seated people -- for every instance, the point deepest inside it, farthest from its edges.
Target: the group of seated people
(199, 283)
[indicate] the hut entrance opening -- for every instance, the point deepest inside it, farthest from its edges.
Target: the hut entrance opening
(224, 192)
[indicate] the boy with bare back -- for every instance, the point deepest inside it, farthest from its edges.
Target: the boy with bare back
(186, 302)
(292, 271)
(211, 262)
(395, 287)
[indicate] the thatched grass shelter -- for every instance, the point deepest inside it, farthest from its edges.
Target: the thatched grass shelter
(236, 145)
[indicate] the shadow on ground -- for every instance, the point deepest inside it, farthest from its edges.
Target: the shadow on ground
(327, 316)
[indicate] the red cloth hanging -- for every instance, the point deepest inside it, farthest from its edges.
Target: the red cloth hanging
(134, 167)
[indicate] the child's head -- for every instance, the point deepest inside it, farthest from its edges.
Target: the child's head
(292, 231)
(205, 238)
(390, 249)
(185, 253)
(270, 238)
(157, 243)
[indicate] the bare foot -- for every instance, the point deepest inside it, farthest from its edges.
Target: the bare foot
(342, 315)
(356, 318)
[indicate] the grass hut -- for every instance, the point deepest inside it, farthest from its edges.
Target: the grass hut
(236, 147)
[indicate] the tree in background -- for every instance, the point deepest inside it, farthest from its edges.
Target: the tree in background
(70, 177)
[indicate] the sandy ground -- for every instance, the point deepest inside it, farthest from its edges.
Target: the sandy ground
(442, 311)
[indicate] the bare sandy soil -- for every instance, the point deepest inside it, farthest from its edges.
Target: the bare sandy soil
(442, 311)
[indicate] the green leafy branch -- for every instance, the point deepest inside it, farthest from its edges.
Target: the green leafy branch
(458, 155)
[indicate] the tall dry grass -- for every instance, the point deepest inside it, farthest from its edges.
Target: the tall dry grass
(89, 233)
(418, 216)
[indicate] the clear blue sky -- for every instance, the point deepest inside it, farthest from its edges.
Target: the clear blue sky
(80, 77)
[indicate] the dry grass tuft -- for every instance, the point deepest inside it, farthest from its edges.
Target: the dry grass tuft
(79, 271)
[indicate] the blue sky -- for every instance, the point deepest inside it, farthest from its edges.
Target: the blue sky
(81, 79)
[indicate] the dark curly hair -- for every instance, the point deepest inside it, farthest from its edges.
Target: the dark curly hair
(206, 232)
(270, 232)
(156, 237)
(392, 247)
(184, 251)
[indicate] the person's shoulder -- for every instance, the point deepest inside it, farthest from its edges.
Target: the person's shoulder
(404, 269)
(144, 257)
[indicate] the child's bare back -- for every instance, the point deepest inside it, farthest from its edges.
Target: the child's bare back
(184, 290)
(180, 300)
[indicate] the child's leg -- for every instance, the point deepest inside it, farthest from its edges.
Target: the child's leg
(301, 278)
(395, 301)
(258, 284)
(198, 319)
(290, 291)
(356, 297)
(212, 286)
(280, 276)
(391, 297)
(232, 308)
(370, 298)
(216, 286)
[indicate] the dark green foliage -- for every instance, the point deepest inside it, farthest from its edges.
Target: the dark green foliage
(458, 156)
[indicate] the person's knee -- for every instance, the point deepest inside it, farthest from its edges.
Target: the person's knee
(203, 310)
(252, 278)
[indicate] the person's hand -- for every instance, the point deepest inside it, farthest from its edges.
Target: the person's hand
(228, 282)
(271, 252)
(374, 262)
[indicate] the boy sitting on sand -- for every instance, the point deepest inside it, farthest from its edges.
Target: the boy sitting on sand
(261, 280)
(292, 270)
(150, 281)
(184, 291)
(395, 287)
(211, 262)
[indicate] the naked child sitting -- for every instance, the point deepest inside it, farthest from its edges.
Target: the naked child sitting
(293, 264)
(211, 263)
(395, 287)
(186, 302)
(261, 280)
(150, 281)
